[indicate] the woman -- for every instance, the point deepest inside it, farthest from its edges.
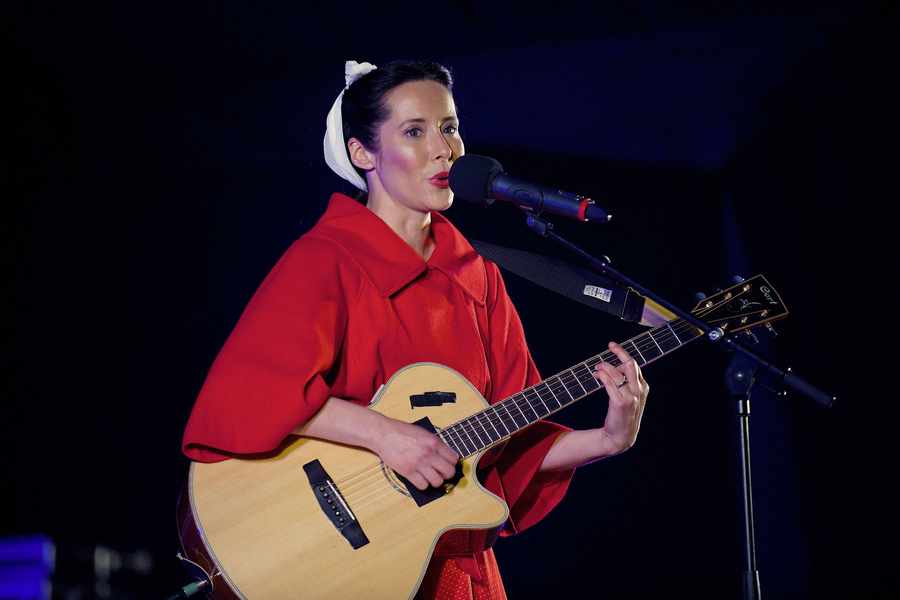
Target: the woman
(372, 288)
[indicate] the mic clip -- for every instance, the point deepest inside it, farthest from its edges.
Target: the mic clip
(537, 224)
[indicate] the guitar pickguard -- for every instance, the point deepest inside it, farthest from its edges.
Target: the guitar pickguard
(430, 494)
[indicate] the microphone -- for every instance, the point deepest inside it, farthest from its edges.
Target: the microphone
(481, 180)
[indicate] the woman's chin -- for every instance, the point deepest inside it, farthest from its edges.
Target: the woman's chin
(441, 202)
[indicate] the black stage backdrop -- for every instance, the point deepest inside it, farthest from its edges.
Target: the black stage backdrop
(160, 158)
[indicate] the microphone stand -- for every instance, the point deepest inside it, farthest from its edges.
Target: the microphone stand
(740, 377)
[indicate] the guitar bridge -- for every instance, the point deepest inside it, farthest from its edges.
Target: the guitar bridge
(333, 504)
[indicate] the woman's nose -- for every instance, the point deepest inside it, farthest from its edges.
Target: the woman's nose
(444, 149)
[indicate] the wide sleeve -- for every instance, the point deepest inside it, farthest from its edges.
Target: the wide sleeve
(271, 375)
(514, 472)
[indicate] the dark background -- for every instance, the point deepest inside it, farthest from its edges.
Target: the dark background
(160, 158)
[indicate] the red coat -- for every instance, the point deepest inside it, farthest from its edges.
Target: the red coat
(345, 307)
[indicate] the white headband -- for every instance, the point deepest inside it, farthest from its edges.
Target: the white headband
(335, 147)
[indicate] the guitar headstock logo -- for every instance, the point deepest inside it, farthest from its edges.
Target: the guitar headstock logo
(767, 292)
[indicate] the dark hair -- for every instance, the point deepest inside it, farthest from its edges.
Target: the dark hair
(363, 107)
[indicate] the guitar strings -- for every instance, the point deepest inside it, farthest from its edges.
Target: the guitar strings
(364, 493)
(610, 357)
(558, 383)
(667, 334)
(558, 386)
(378, 490)
(553, 384)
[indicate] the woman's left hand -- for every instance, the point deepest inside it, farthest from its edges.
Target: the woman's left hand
(627, 392)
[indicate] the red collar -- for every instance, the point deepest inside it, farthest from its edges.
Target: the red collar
(389, 261)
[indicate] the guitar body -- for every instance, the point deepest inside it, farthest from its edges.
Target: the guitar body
(258, 528)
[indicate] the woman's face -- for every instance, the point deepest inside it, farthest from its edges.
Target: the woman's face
(417, 144)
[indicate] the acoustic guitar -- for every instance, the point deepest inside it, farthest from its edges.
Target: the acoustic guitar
(321, 520)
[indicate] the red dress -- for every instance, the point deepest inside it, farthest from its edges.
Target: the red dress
(347, 305)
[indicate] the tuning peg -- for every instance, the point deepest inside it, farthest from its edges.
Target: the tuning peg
(737, 279)
(749, 333)
(772, 331)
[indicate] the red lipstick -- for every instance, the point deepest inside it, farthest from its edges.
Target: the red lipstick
(440, 179)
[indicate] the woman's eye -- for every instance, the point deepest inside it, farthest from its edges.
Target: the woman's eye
(450, 129)
(414, 132)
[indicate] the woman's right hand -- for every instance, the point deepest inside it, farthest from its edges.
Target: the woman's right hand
(417, 454)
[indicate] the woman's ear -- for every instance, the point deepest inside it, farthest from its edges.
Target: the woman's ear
(359, 156)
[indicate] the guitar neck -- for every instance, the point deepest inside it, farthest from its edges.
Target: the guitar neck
(511, 415)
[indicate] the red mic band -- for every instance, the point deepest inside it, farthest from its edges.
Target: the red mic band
(582, 208)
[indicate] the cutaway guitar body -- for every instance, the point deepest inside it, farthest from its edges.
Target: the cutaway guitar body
(261, 530)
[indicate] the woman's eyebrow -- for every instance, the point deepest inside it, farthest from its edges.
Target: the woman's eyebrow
(421, 120)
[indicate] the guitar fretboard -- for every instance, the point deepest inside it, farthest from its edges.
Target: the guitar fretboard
(503, 419)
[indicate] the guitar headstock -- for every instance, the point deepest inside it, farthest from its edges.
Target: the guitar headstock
(751, 302)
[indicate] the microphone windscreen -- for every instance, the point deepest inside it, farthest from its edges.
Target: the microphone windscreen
(471, 175)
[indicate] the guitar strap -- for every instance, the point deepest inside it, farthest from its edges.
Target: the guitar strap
(581, 285)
